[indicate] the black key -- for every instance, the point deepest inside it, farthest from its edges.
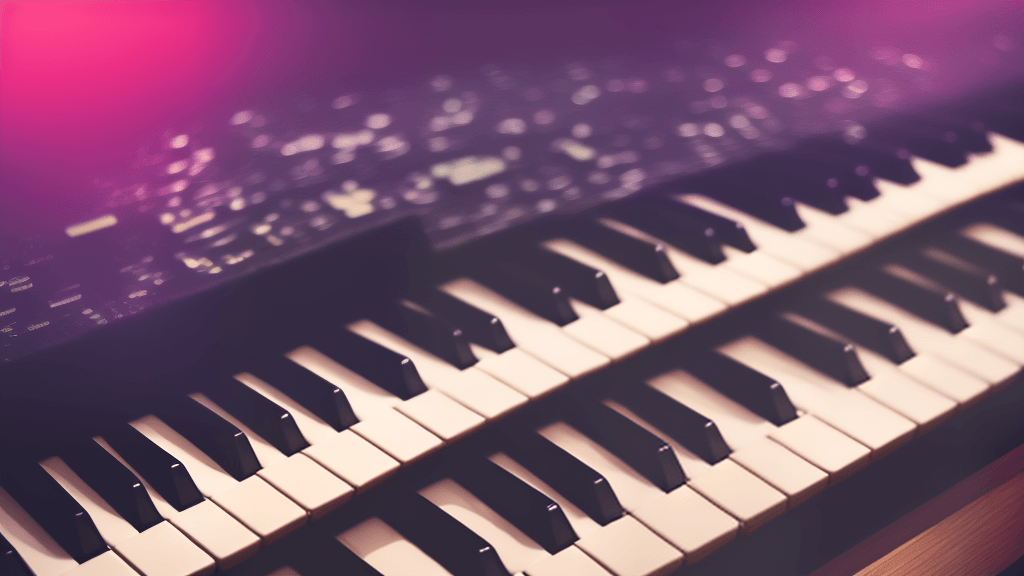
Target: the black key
(528, 289)
(161, 470)
(428, 331)
(581, 281)
(644, 452)
(884, 338)
(685, 215)
(262, 415)
(1009, 268)
(834, 357)
(577, 482)
(778, 209)
(934, 143)
(11, 563)
(216, 437)
(325, 400)
(684, 425)
(967, 280)
(755, 391)
(886, 161)
(638, 255)
(526, 508)
(117, 485)
(692, 237)
(937, 306)
(386, 368)
(455, 547)
(481, 327)
(55, 510)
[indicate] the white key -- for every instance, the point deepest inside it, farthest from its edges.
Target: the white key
(957, 384)
(519, 370)
(382, 547)
(625, 548)
(106, 564)
(346, 454)
(907, 200)
(924, 336)
(675, 297)
(297, 477)
(158, 551)
(259, 506)
(743, 495)
(832, 231)
(846, 409)
(868, 218)
(535, 335)
(683, 518)
(470, 387)
(719, 282)
(788, 473)
(640, 549)
(796, 248)
(1013, 314)
(761, 266)
(42, 554)
(986, 328)
(571, 560)
(747, 434)
(647, 319)
(604, 334)
(226, 540)
(376, 408)
(824, 446)
(353, 459)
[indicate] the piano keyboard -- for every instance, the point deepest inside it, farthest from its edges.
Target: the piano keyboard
(273, 471)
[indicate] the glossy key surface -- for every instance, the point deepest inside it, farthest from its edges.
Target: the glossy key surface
(222, 441)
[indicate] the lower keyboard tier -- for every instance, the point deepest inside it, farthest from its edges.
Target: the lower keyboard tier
(798, 542)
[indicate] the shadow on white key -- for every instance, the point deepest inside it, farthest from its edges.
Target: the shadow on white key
(795, 248)
(348, 455)
(679, 299)
(483, 395)
(720, 282)
(892, 387)
(388, 552)
(219, 534)
(42, 554)
(848, 410)
(749, 436)
(297, 476)
(160, 550)
(538, 337)
(623, 546)
(254, 502)
(926, 337)
(984, 327)
(106, 564)
(383, 420)
(729, 486)
(592, 328)
(517, 551)
(683, 517)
